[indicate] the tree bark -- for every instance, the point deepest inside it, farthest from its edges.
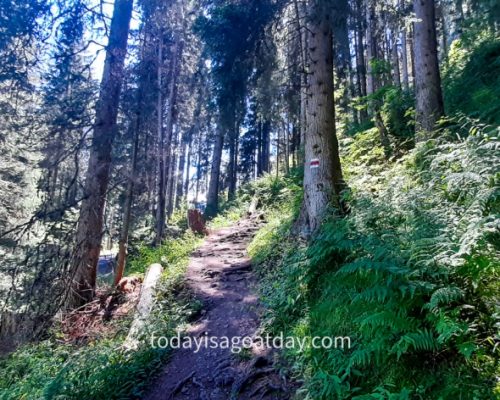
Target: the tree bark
(341, 39)
(412, 53)
(233, 156)
(300, 15)
(213, 188)
(360, 58)
(286, 130)
(180, 174)
(160, 207)
(323, 179)
(342, 54)
(171, 160)
(90, 223)
(429, 104)
(259, 148)
(127, 208)
(193, 131)
(172, 176)
(371, 48)
(265, 143)
(395, 59)
(198, 171)
(187, 179)
(404, 60)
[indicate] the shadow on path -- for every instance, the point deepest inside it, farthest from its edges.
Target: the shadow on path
(220, 275)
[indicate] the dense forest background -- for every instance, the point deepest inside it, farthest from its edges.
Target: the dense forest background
(366, 131)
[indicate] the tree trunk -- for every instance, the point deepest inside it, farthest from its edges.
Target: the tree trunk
(194, 131)
(172, 176)
(323, 180)
(160, 207)
(457, 20)
(265, 142)
(341, 39)
(287, 145)
(198, 171)
(429, 104)
(171, 160)
(412, 53)
(187, 179)
(295, 145)
(300, 15)
(342, 54)
(180, 174)
(231, 172)
(127, 208)
(360, 59)
(404, 60)
(444, 36)
(259, 148)
(90, 223)
(278, 144)
(395, 59)
(371, 48)
(213, 188)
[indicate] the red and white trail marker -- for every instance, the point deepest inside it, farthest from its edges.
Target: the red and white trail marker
(314, 163)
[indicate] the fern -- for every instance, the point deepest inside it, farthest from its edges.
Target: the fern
(444, 296)
(422, 340)
(411, 274)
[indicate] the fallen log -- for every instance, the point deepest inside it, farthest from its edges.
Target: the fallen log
(144, 306)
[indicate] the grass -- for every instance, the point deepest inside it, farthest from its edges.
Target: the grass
(228, 216)
(101, 369)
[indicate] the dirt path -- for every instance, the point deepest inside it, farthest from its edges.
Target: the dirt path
(220, 275)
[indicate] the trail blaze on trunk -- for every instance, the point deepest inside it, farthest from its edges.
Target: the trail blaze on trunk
(322, 174)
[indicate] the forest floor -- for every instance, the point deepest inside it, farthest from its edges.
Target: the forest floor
(220, 275)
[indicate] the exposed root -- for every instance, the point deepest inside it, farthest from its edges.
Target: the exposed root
(239, 268)
(247, 380)
(180, 385)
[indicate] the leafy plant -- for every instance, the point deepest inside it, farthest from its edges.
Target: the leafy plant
(411, 274)
(472, 78)
(102, 369)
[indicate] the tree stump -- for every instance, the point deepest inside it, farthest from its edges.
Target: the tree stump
(196, 222)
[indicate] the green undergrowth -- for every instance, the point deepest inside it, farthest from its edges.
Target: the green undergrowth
(411, 275)
(173, 253)
(100, 368)
(230, 214)
(270, 191)
(472, 77)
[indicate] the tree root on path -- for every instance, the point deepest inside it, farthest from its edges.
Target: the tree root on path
(238, 268)
(247, 380)
(180, 385)
(264, 389)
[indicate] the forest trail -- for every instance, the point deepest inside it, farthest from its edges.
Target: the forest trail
(220, 275)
